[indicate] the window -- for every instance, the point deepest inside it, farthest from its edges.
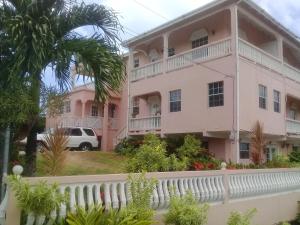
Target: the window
(94, 110)
(175, 101)
(262, 97)
(89, 132)
(136, 63)
(171, 52)
(276, 95)
(67, 106)
(200, 42)
(216, 94)
(292, 114)
(135, 107)
(112, 110)
(76, 132)
(244, 150)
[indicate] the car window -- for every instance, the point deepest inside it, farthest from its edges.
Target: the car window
(76, 132)
(89, 132)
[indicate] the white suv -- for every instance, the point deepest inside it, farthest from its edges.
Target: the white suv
(79, 137)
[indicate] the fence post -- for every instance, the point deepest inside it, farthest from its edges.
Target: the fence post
(226, 183)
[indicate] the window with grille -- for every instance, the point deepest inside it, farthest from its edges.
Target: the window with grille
(262, 97)
(244, 150)
(200, 42)
(171, 52)
(175, 101)
(216, 94)
(135, 107)
(136, 63)
(95, 110)
(67, 106)
(276, 96)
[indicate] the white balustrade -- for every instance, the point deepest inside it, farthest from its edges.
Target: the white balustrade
(292, 126)
(88, 121)
(113, 191)
(147, 70)
(265, 59)
(146, 123)
(210, 51)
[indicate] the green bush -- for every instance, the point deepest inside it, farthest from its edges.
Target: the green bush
(176, 164)
(128, 146)
(294, 156)
(279, 161)
(190, 149)
(186, 211)
(39, 199)
(237, 218)
(150, 157)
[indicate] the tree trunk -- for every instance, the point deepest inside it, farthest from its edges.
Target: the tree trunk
(30, 148)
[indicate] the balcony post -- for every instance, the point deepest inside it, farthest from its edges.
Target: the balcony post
(130, 67)
(104, 139)
(165, 51)
(280, 47)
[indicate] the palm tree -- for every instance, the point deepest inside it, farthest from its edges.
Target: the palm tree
(41, 33)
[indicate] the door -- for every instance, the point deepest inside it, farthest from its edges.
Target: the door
(271, 152)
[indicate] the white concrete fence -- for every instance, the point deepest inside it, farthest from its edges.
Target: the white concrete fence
(112, 191)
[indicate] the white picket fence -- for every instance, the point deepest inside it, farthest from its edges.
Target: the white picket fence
(113, 191)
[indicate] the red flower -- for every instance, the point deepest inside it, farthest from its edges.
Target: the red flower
(210, 166)
(198, 166)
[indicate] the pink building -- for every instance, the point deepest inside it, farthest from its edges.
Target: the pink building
(212, 72)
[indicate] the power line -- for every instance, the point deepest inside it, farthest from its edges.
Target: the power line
(151, 10)
(130, 30)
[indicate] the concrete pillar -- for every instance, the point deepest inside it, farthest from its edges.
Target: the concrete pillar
(280, 47)
(83, 110)
(166, 51)
(13, 213)
(236, 114)
(104, 139)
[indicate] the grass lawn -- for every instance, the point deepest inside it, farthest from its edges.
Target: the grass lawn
(84, 163)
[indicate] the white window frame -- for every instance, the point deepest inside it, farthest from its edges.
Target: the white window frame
(178, 99)
(216, 94)
(264, 96)
(277, 101)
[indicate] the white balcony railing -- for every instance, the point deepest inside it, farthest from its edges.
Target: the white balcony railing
(112, 190)
(73, 121)
(210, 51)
(259, 56)
(142, 124)
(292, 126)
(265, 59)
(147, 70)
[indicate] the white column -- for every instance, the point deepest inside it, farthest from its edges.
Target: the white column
(129, 68)
(236, 113)
(166, 51)
(280, 47)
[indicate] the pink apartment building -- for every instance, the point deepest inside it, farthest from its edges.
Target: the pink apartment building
(212, 72)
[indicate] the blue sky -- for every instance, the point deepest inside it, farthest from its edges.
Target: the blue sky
(138, 16)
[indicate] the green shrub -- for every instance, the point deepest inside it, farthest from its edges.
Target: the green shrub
(128, 146)
(150, 157)
(279, 161)
(237, 218)
(294, 156)
(93, 216)
(186, 211)
(141, 190)
(176, 164)
(39, 199)
(191, 147)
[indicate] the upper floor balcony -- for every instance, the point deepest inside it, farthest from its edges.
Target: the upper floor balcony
(293, 116)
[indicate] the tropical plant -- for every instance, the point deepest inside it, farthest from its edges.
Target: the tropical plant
(37, 34)
(54, 151)
(150, 157)
(39, 199)
(279, 161)
(237, 218)
(92, 216)
(294, 156)
(141, 190)
(191, 147)
(258, 142)
(186, 211)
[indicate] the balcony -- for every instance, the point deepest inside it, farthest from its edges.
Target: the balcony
(293, 126)
(259, 56)
(210, 51)
(74, 121)
(145, 124)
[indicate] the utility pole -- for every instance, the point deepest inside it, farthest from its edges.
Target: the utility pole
(5, 159)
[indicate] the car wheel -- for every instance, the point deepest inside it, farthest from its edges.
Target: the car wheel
(85, 147)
